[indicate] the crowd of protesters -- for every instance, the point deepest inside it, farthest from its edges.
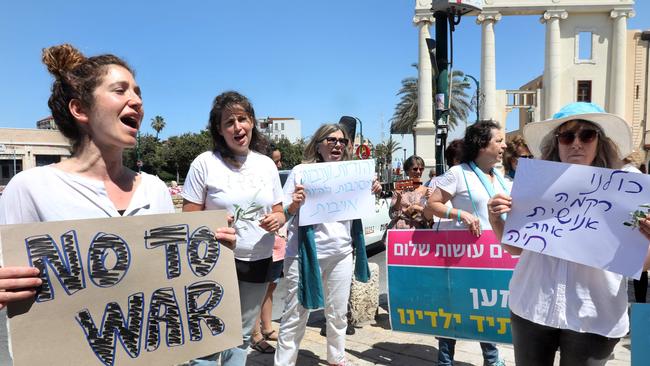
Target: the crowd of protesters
(97, 104)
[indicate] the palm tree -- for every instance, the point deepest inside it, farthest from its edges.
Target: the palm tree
(406, 111)
(157, 123)
(384, 154)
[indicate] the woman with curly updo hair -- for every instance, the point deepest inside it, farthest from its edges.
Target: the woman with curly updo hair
(96, 103)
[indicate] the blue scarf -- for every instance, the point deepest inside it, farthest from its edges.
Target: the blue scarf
(489, 187)
(310, 287)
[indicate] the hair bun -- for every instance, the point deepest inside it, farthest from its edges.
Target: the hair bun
(62, 58)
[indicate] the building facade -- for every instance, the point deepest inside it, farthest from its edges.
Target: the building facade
(24, 148)
(588, 55)
(276, 128)
(586, 81)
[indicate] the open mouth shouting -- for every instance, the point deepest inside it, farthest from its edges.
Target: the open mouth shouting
(132, 120)
(336, 153)
(240, 138)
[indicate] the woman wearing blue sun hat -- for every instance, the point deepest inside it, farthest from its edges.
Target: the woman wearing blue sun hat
(557, 304)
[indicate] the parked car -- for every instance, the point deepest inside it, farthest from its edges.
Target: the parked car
(375, 223)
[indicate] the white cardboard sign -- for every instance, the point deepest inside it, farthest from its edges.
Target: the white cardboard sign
(577, 213)
(336, 191)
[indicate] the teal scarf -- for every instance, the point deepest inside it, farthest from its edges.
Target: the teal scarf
(310, 287)
(486, 182)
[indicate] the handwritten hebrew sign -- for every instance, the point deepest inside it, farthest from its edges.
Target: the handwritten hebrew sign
(577, 213)
(336, 191)
(144, 290)
(461, 289)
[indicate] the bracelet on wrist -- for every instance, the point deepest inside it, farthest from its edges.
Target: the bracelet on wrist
(287, 214)
(459, 211)
(448, 212)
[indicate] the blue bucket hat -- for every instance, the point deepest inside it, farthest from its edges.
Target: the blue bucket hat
(538, 134)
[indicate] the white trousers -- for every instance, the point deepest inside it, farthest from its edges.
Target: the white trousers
(336, 273)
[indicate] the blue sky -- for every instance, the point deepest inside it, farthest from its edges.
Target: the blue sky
(312, 60)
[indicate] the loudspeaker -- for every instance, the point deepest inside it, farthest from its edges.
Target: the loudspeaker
(350, 124)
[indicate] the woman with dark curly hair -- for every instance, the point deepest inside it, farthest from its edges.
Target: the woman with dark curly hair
(96, 103)
(238, 176)
(469, 186)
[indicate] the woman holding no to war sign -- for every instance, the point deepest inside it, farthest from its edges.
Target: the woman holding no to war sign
(318, 264)
(237, 176)
(469, 186)
(557, 304)
(96, 104)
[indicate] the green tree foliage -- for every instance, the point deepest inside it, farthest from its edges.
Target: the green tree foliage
(157, 123)
(181, 150)
(292, 153)
(384, 156)
(169, 159)
(151, 154)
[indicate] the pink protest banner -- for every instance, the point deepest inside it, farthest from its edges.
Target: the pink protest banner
(449, 283)
(448, 248)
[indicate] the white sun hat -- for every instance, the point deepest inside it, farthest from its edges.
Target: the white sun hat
(538, 134)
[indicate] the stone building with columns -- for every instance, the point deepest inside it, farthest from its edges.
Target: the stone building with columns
(590, 85)
(602, 57)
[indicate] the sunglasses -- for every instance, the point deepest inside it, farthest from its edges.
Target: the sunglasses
(585, 136)
(334, 140)
(526, 156)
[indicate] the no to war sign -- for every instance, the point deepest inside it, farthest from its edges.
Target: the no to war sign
(144, 290)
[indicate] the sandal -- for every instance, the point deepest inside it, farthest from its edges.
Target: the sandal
(270, 336)
(262, 346)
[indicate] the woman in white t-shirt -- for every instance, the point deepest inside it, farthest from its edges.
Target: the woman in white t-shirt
(469, 186)
(554, 303)
(318, 263)
(238, 177)
(96, 104)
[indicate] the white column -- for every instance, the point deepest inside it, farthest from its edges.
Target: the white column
(425, 129)
(487, 19)
(425, 81)
(552, 74)
(619, 61)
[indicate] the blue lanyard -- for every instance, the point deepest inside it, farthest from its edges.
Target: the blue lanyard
(489, 187)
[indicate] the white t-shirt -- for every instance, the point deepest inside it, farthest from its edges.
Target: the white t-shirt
(219, 187)
(567, 295)
(50, 194)
(453, 182)
(332, 238)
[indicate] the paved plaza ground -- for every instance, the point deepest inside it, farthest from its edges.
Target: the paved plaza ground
(376, 344)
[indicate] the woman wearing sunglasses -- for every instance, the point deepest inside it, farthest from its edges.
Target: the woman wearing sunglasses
(406, 205)
(557, 304)
(516, 149)
(323, 281)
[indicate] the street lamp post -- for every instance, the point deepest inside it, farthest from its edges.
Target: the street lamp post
(14, 159)
(478, 94)
(138, 162)
(404, 161)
